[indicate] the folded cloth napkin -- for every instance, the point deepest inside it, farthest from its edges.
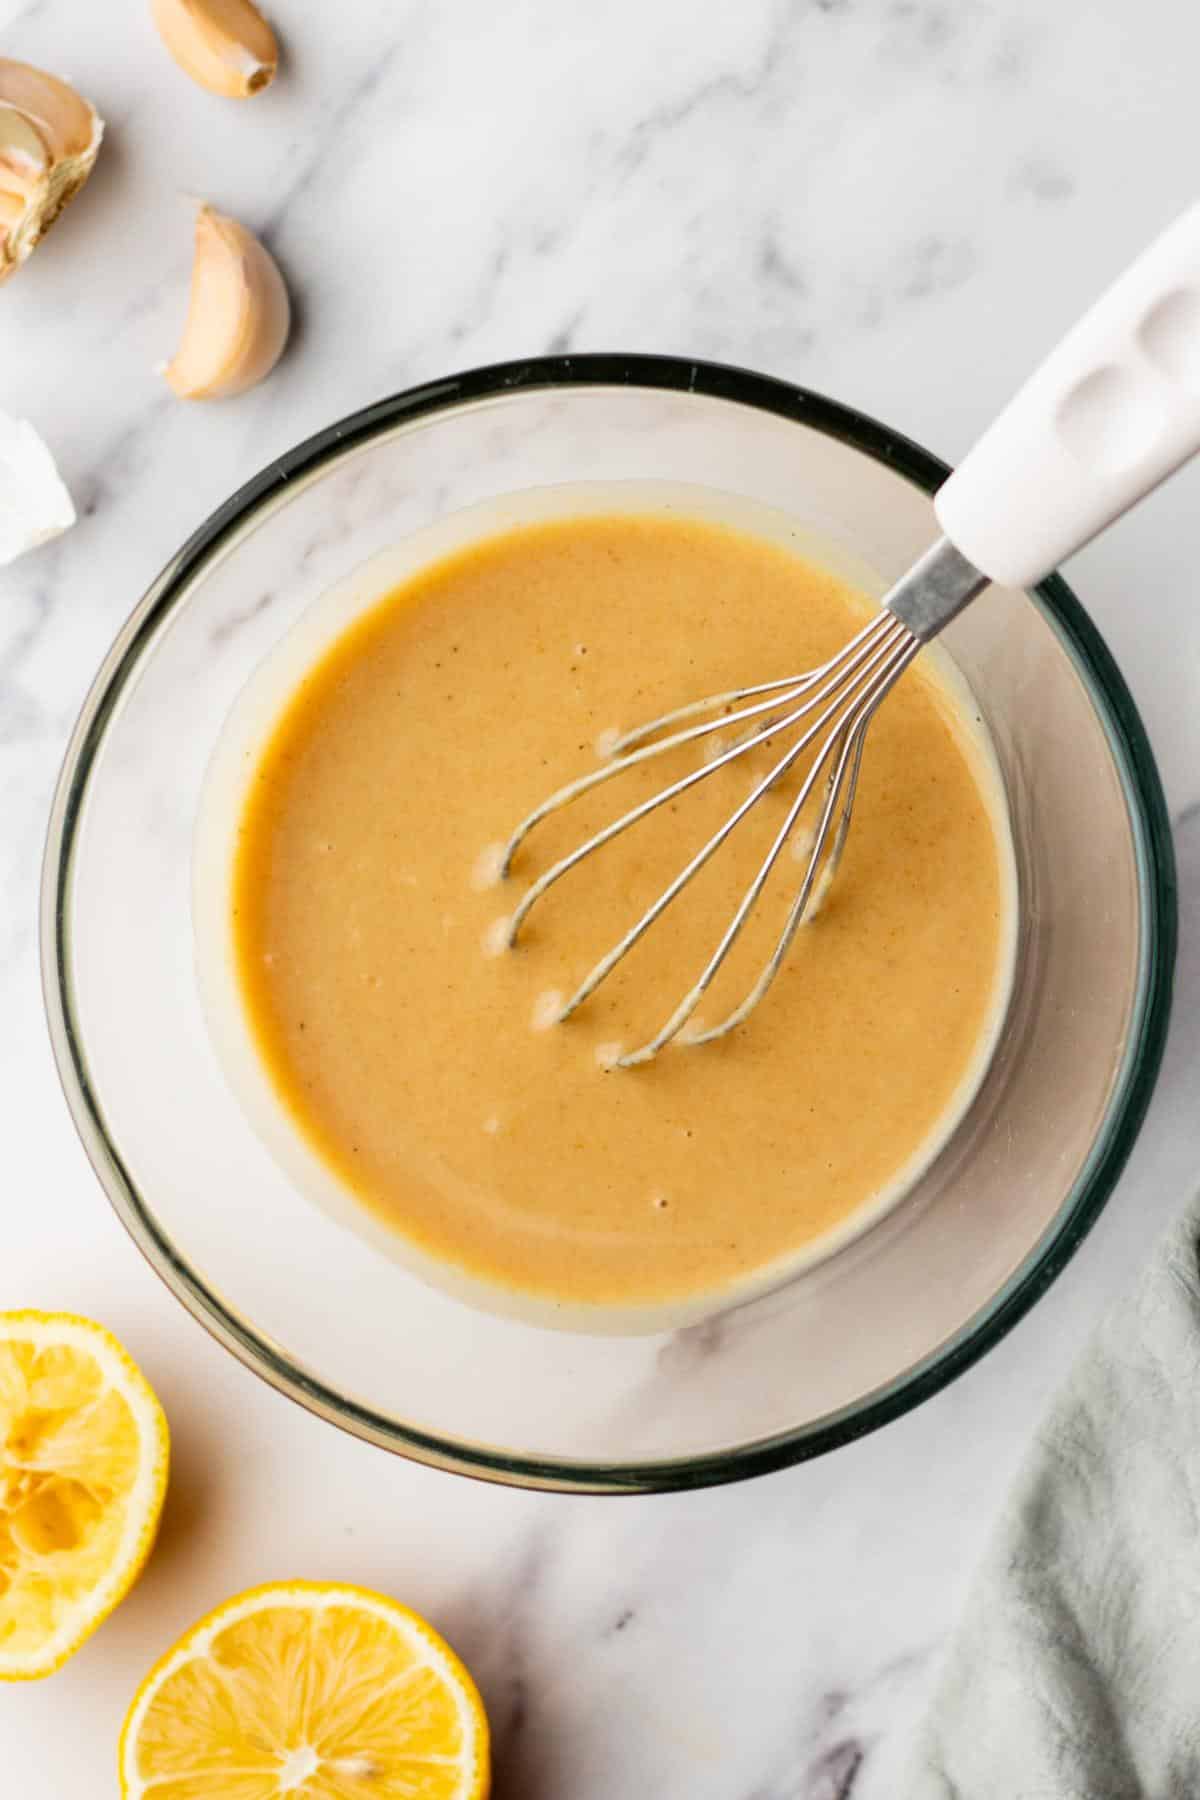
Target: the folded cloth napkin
(1076, 1672)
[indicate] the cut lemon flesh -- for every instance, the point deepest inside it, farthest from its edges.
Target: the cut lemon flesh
(83, 1469)
(310, 1690)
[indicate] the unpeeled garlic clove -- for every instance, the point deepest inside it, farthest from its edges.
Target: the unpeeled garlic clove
(49, 140)
(225, 45)
(24, 155)
(238, 313)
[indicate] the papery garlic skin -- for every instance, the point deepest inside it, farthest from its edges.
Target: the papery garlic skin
(49, 140)
(224, 45)
(34, 503)
(238, 313)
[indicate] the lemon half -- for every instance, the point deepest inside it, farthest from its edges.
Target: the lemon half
(83, 1470)
(311, 1690)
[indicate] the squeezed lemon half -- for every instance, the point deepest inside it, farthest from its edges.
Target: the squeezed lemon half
(83, 1470)
(312, 1690)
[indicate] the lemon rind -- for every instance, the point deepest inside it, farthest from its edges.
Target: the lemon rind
(313, 1595)
(144, 1506)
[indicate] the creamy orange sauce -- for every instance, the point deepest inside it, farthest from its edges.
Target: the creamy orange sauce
(406, 1052)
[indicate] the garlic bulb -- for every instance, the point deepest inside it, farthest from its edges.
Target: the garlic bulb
(238, 313)
(49, 138)
(225, 45)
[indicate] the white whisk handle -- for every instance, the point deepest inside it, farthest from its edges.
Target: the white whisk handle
(1108, 415)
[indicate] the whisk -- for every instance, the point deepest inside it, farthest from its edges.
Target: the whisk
(1110, 413)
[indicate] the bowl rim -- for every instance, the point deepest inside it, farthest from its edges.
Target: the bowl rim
(1154, 855)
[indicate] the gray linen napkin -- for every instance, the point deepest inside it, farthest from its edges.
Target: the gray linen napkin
(1075, 1674)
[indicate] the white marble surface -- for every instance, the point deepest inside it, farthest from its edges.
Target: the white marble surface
(897, 201)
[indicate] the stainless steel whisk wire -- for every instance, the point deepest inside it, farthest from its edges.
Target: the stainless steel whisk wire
(847, 689)
(1039, 484)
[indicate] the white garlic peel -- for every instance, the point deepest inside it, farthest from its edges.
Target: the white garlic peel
(225, 45)
(34, 504)
(49, 140)
(238, 313)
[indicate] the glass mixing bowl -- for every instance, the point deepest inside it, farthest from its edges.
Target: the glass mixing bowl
(312, 1307)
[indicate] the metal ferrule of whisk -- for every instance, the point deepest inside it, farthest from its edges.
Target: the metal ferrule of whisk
(1041, 482)
(830, 708)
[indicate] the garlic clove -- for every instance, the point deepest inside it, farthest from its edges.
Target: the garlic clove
(34, 504)
(24, 157)
(238, 313)
(63, 117)
(49, 140)
(225, 45)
